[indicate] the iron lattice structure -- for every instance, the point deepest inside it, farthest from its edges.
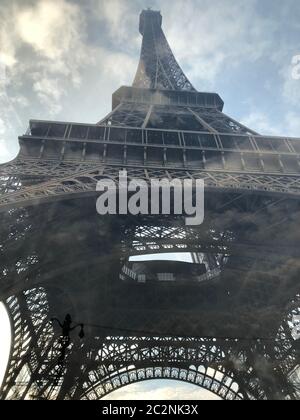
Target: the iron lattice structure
(226, 322)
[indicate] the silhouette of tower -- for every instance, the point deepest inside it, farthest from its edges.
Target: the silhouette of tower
(225, 321)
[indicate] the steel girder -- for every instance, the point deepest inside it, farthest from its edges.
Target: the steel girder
(84, 182)
(158, 67)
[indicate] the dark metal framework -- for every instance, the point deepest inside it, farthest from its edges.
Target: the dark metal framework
(227, 322)
(158, 67)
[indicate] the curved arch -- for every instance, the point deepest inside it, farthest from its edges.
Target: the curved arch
(218, 382)
(75, 185)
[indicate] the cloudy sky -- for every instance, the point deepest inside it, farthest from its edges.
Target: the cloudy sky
(62, 59)
(4, 344)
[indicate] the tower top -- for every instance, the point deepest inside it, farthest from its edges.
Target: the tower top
(149, 16)
(158, 68)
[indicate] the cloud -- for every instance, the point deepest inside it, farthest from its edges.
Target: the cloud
(119, 67)
(4, 153)
(120, 20)
(52, 28)
(10, 123)
(288, 125)
(51, 51)
(290, 86)
(217, 33)
(46, 43)
(8, 39)
(292, 120)
(56, 31)
(260, 122)
(49, 93)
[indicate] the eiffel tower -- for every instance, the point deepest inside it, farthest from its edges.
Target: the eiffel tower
(226, 321)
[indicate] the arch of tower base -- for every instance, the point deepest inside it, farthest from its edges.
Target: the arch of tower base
(217, 382)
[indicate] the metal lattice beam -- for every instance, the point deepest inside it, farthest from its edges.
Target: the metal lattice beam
(86, 181)
(158, 67)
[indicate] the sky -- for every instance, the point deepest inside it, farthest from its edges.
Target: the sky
(5, 340)
(62, 59)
